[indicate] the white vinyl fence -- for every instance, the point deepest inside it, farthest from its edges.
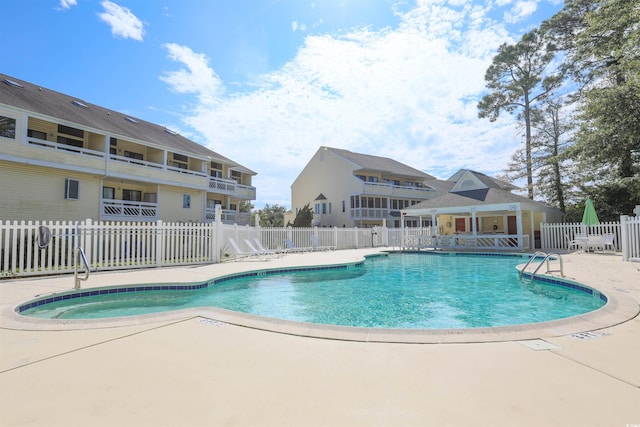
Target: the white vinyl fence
(558, 236)
(126, 245)
(630, 227)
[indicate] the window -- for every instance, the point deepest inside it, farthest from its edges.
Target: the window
(36, 134)
(186, 201)
(324, 208)
(317, 208)
(180, 157)
(67, 130)
(113, 141)
(329, 207)
(7, 127)
(133, 155)
(69, 141)
(343, 206)
(71, 189)
(132, 195)
(372, 179)
(108, 193)
(362, 177)
(150, 198)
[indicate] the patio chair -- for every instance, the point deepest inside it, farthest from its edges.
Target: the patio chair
(259, 252)
(315, 245)
(608, 240)
(595, 242)
(244, 254)
(576, 244)
(263, 249)
(291, 247)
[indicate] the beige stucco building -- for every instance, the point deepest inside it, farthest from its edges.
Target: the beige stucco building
(62, 158)
(347, 189)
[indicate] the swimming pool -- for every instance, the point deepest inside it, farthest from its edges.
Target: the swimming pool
(408, 291)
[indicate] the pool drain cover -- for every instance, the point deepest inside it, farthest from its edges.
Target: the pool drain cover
(539, 345)
(589, 335)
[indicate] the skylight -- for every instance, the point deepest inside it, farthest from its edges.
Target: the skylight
(12, 83)
(78, 103)
(129, 119)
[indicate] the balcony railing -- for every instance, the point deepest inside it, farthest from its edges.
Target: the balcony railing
(369, 213)
(64, 147)
(232, 188)
(124, 210)
(385, 189)
(135, 161)
(186, 171)
(229, 216)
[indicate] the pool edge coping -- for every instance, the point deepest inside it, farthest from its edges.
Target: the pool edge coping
(618, 309)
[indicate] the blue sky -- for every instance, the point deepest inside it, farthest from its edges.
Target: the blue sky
(267, 82)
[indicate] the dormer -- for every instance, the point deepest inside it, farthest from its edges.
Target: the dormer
(467, 181)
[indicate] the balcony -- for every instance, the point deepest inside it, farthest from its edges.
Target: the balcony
(231, 188)
(64, 147)
(124, 210)
(229, 216)
(384, 189)
(369, 213)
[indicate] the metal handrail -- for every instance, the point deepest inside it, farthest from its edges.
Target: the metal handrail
(547, 259)
(530, 260)
(80, 251)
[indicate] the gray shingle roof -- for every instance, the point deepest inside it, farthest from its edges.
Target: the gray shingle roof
(60, 106)
(384, 164)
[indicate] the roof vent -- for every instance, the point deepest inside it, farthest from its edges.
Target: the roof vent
(79, 104)
(169, 131)
(129, 119)
(12, 83)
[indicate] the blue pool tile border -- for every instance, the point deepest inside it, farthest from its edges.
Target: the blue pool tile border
(145, 288)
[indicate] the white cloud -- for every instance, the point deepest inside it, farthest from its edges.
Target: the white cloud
(520, 11)
(123, 23)
(66, 4)
(409, 93)
(198, 78)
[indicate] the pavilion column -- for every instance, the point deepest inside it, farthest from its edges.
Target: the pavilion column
(519, 226)
(474, 228)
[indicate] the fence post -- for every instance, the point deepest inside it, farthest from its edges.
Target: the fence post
(159, 243)
(624, 237)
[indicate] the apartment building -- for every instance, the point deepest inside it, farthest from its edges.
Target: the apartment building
(347, 189)
(63, 158)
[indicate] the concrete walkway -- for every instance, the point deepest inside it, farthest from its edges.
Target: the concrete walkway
(191, 369)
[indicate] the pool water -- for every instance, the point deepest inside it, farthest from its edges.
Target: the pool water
(416, 291)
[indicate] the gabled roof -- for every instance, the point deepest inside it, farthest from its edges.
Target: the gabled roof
(46, 102)
(485, 180)
(486, 196)
(382, 164)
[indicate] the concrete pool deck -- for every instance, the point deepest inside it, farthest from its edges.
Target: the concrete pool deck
(203, 368)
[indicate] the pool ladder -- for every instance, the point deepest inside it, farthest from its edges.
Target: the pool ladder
(547, 258)
(80, 252)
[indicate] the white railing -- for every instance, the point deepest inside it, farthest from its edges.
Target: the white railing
(123, 210)
(220, 185)
(369, 213)
(508, 242)
(186, 171)
(385, 189)
(558, 236)
(107, 246)
(247, 192)
(136, 162)
(630, 233)
(64, 147)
